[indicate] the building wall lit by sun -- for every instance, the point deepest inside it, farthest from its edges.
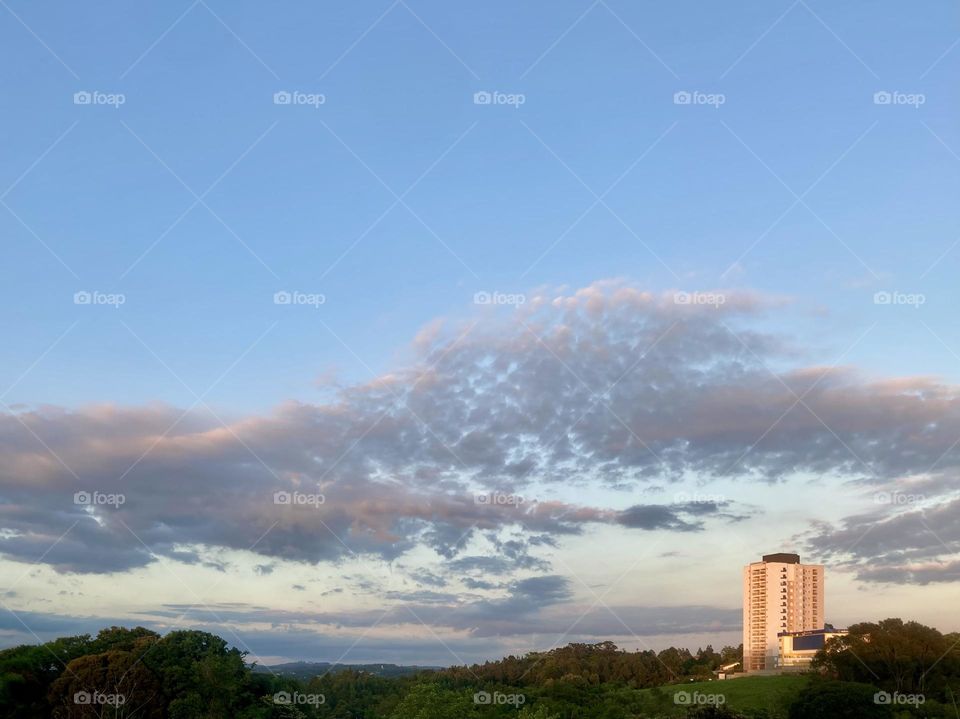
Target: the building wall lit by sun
(780, 595)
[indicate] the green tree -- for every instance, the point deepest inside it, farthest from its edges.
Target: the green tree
(114, 683)
(27, 672)
(838, 700)
(896, 655)
(201, 675)
(539, 712)
(429, 701)
(137, 639)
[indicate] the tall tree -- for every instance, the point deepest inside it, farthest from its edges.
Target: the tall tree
(113, 684)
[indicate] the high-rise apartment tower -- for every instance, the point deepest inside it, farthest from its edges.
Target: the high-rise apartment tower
(779, 595)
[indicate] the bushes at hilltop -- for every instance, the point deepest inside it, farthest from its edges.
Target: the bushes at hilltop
(906, 658)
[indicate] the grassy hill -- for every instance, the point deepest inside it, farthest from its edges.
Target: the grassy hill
(773, 694)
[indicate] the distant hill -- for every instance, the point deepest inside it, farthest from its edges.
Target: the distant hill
(307, 670)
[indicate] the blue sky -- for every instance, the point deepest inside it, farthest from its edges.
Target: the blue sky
(798, 82)
(398, 198)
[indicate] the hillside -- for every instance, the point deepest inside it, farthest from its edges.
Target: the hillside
(304, 671)
(773, 694)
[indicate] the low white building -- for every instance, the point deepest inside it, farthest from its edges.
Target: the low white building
(797, 649)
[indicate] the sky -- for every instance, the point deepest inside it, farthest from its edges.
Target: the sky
(427, 333)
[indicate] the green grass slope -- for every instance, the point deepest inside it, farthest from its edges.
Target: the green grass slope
(772, 694)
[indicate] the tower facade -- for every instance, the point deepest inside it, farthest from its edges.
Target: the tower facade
(779, 595)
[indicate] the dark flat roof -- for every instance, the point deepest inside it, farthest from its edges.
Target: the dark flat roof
(782, 557)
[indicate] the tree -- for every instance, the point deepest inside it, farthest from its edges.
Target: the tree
(674, 661)
(27, 671)
(137, 639)
(539, 712)
(729, 655)
(896, 655)
(114, 684)
(429, 701)
(202, 677)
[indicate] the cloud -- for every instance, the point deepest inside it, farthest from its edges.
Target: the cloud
(607, 386)
(543, 606)
(424, 576)
(537, 605)
(678, 517)
(302, 637)
(913, 545)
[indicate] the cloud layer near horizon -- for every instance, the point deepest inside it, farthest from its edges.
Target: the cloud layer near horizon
(607, 385)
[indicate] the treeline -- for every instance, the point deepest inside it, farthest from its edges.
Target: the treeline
(886, 669)
(602, 663)
(196, 675)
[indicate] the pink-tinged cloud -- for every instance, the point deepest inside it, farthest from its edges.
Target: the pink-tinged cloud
(606, 385)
